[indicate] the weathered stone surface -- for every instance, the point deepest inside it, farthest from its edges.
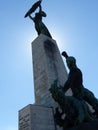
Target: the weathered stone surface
(48, 66)
(24, 119)
(33, 117)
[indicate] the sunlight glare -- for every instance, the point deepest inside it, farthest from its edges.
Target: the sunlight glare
(60, 40)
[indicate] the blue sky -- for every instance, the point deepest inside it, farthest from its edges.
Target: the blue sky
(72, 23)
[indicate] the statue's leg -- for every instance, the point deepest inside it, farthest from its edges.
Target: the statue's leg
(91, 99)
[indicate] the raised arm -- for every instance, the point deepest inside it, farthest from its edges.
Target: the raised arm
(31, 17)
(42, 12)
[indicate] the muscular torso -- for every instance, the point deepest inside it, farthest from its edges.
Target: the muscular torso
(74, 81)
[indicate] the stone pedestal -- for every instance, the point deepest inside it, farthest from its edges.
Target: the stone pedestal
(48, 66)
(34, 117)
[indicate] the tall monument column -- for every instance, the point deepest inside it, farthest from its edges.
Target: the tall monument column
(47, 66)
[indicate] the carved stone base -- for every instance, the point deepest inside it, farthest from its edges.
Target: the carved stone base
(34, 117)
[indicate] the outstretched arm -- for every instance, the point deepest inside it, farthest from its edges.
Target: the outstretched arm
(40, 8)
(31, 17)
(41, 12)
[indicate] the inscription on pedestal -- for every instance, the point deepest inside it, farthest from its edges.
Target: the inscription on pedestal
(24, 119)
(24, 122)
(34, 117)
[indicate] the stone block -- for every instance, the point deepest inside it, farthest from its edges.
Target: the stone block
(34, 117)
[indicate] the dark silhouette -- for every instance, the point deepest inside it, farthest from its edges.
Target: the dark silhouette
(76, 111)
(37, 19)
(74, 107)
(33, 8)
(75, 82)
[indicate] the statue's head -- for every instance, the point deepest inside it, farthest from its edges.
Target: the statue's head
(71, 62)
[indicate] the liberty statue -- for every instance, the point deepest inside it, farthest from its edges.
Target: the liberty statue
(37, 19)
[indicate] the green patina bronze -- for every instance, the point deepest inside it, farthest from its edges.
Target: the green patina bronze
(74, 107)
(75, 82)
(76, 111)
